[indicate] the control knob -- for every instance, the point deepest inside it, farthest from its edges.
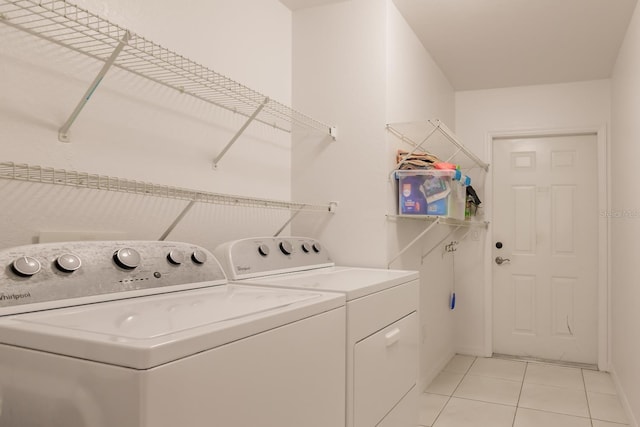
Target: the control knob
(26, 266)
(127, 258)
(286, 247)
(175, 257)
(199, 257)
(306, 247)
(316, 247)
(263, 250)
(68, 263)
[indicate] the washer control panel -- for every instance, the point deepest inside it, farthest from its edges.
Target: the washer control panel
(51, 272)
(255, 257)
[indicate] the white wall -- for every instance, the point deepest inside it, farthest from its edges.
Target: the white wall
(625, 222)
(358, 65)
(480, 113)
(135, 129)
(339, 76)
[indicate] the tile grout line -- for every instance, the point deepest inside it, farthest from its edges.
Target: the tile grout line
(526, 366)
(586, 396)
(544, 411)
(454, 390)
(435, 420)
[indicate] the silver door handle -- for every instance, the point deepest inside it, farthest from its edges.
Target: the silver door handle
(500, 260)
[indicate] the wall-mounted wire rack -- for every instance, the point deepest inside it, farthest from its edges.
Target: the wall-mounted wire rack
(436, 138)
(443, 220)
(65, 24)
(423, 135)
(48, 175)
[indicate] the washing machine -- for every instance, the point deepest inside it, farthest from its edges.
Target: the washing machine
(151, 334)
(382, 320)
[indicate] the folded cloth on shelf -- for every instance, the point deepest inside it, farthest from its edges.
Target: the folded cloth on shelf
(406, 160)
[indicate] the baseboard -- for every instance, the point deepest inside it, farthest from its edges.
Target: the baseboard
(623, 399)
(472, 351)
(579, 365)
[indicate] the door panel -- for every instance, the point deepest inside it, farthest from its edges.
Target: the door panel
(524, 303)
(524, 219)
(546, 214)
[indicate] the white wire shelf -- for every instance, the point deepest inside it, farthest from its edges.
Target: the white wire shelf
(436, 138)
(48, 175)
(443, 220)
(67, 25)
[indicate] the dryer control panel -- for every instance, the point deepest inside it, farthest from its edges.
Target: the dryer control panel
(247, 258)
(41, 276)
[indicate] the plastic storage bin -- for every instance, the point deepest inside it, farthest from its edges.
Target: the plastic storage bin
(432, 192)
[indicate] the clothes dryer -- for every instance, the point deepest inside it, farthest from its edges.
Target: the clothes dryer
(382, 320)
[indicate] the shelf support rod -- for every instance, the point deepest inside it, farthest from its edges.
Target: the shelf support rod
(295, 214)
(464, 236)
(177, 220)
(458, 151)
(240, 132)
(418, 237)
(450, 136)
(416, 146)
(63, 133)
(440, 242)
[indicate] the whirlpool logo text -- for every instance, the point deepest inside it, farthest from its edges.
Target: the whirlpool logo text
(4, 297)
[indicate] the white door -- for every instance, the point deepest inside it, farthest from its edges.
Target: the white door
(545, 217)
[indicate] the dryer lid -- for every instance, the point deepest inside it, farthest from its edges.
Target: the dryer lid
(352, 281)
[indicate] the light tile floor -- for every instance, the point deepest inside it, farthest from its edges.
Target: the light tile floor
(488, 392)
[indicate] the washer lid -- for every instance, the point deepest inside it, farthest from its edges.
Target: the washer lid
(149, 331)
(352, 281)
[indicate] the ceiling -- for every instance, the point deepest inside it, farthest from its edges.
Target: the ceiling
(482, 44)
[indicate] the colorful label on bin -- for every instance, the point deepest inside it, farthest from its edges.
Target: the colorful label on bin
(412, 200)
(406, 190)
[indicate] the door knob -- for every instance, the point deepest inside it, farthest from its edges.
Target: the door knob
(500, 260)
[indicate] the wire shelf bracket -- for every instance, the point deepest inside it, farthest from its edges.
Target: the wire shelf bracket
(413, 242)
(426, 254)
(291, 218)
(81, 31)
(63, 133)
(240, 132)
(179, 218)
(435, 220)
